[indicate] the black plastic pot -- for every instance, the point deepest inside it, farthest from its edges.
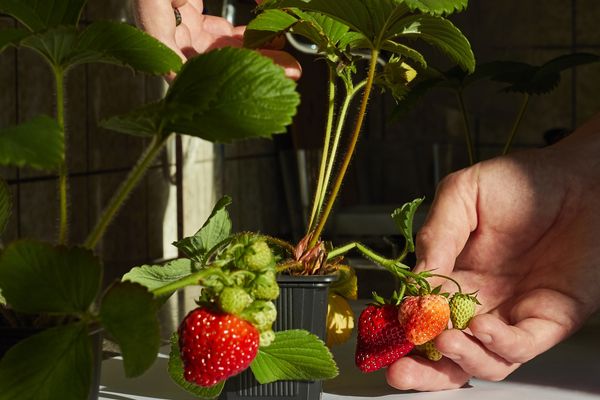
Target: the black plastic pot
(302, 304)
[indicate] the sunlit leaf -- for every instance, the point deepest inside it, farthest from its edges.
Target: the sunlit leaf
(221, 96)
(294, 355)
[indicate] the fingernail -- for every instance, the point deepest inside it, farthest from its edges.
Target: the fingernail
(484, 338)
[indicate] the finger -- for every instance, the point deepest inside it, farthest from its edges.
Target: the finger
(178, 3)
(452, 217)
(545, 318)
(417, 373)
(472, 357)
(291, 66)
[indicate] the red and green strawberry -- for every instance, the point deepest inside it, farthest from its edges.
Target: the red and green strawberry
(424, 317)
(381, 339)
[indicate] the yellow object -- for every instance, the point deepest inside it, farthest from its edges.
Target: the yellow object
(340, 320)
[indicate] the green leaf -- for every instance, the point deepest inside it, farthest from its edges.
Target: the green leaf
(294, 355)
(438, 32)
(234, 94)
(5, 205)
(155, 276)
(37, 143)
(437, 7)
(221, 96)
(531, 79)
(128, 313)
(57, 45)
(11, 36)
(123, 44)
(144, 121)
(175, 369)
(367, 17)
(216, 229)
(38, 15)
(403, 217)
(405, 52)
(39, 278)
(266, 26)
(54, 364)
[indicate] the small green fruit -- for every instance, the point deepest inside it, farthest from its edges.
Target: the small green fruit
(265, 286)
(266, 338)
(462, 309)
(429, 351)
(259, 257)
(261, 314)
(233, 300)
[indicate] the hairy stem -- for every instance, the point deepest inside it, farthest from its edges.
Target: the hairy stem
(516, 125)
(116, 202)
(338, 134)
(468, 134)
(349, 152)
(63, 186)
(322, 183)
(192, 279)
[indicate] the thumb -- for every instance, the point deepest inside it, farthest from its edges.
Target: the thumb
(451, 219)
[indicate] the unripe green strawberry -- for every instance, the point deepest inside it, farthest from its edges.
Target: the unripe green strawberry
(258, 257)
(261, 314)
(265, 286)
(429, 351)
(266, 338)
(462, 309)
(233, 300)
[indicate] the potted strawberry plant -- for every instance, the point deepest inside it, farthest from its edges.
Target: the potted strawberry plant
(375, 33)
(55, 288)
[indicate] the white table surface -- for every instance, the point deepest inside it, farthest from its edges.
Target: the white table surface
(570, 371)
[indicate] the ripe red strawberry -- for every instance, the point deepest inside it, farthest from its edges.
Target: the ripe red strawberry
(381, 339)
(424, 317)
(215, 345)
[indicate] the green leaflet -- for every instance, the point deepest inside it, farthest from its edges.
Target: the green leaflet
(37, 143)
(128, 313)
(294, 355)
(40, 278)
(53, 364)
(403, 217)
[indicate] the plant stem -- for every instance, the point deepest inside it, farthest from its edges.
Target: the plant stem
(368, 253)
(349, 152)
(125, 189)
(63, 186)
(515, 127)
(322, 183)
(468, 135)
(192, 279)
(350, 93)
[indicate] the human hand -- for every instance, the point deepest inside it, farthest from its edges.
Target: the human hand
(522, 230)
(198, 33)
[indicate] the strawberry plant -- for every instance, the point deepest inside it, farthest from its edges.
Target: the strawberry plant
(379, 34)
(223, 95)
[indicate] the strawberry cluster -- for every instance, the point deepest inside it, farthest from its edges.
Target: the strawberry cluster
(235, 313)
(387, 332)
